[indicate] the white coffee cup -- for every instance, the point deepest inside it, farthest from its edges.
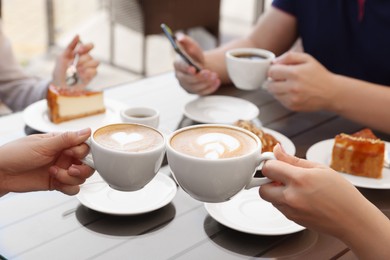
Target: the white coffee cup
(214, 162)
(127, 156)
(248, 67)
(141, 115)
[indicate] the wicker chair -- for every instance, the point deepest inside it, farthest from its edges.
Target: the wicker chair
(145, 17)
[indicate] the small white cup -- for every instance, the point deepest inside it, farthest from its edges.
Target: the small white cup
(215, 180)
(126, 170)
(248, 67)
(141, 115)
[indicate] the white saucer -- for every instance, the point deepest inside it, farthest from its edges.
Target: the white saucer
(287, 144)
(220, 110)
(322, 152)
(97, 195)
(248, 212)
(36, 116)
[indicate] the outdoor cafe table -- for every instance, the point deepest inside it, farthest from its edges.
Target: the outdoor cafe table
(50, 225)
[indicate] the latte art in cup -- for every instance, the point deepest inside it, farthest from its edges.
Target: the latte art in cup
(213, 143)
(214, 162)
(128, 138)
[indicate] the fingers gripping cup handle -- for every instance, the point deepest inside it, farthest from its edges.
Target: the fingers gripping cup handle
(88, 158)
(255, 182)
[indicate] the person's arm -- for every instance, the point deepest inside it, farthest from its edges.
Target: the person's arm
(17, 89)
(275, 30)
(301, 83)
(45, 162)
(319, 198)
(367, 232)
(86, 66)
(362, 101)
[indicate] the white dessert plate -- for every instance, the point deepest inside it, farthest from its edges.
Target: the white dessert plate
(287, 144)
(36, 116)
(248, 213)
(97, 195)
(220, 110)
(322, 152)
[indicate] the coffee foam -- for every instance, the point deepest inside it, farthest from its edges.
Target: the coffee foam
(213, 142)
(129, 138)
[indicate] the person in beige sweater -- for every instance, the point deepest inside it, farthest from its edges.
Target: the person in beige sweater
(18, 89)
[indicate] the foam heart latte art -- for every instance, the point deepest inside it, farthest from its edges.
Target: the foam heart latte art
(129, 138)
(123, 138)
(213, 142)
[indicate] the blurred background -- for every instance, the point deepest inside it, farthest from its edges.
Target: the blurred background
(124, 33)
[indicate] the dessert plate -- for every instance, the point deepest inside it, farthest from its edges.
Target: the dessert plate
(97, 195)
(36, 116)
(220, 110)
(287, 144)
(248, 213)
(322, 152)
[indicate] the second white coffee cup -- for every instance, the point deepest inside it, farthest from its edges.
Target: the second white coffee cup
(212, 163)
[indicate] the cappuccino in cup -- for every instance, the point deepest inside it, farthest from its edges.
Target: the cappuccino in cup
(213, 143)
(213, 162)
(127, 156)
(128, 138)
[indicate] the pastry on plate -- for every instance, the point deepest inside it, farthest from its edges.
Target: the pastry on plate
(268, 141)
(360, 154)
(66, 104)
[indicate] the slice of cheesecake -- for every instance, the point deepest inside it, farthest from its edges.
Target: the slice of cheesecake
(65, 104)
(361, 154)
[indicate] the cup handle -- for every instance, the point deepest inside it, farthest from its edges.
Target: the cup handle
(255, 182)
(88, 160)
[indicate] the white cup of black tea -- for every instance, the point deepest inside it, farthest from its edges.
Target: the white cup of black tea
(248, 67)
(141, 115)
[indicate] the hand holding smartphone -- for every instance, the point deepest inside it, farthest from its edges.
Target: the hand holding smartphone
(176, 46)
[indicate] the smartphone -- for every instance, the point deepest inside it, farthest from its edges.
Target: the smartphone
(171, 37)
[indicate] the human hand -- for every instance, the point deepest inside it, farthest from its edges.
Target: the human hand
(204, 82)
(300, 82)
(311, 194)
(45, 162)
(86, 66)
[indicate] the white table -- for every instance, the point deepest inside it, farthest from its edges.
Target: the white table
(51, 225)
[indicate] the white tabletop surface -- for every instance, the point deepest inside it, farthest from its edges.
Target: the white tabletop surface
(51, 225)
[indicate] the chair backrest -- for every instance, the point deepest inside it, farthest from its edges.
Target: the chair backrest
(145, 16)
